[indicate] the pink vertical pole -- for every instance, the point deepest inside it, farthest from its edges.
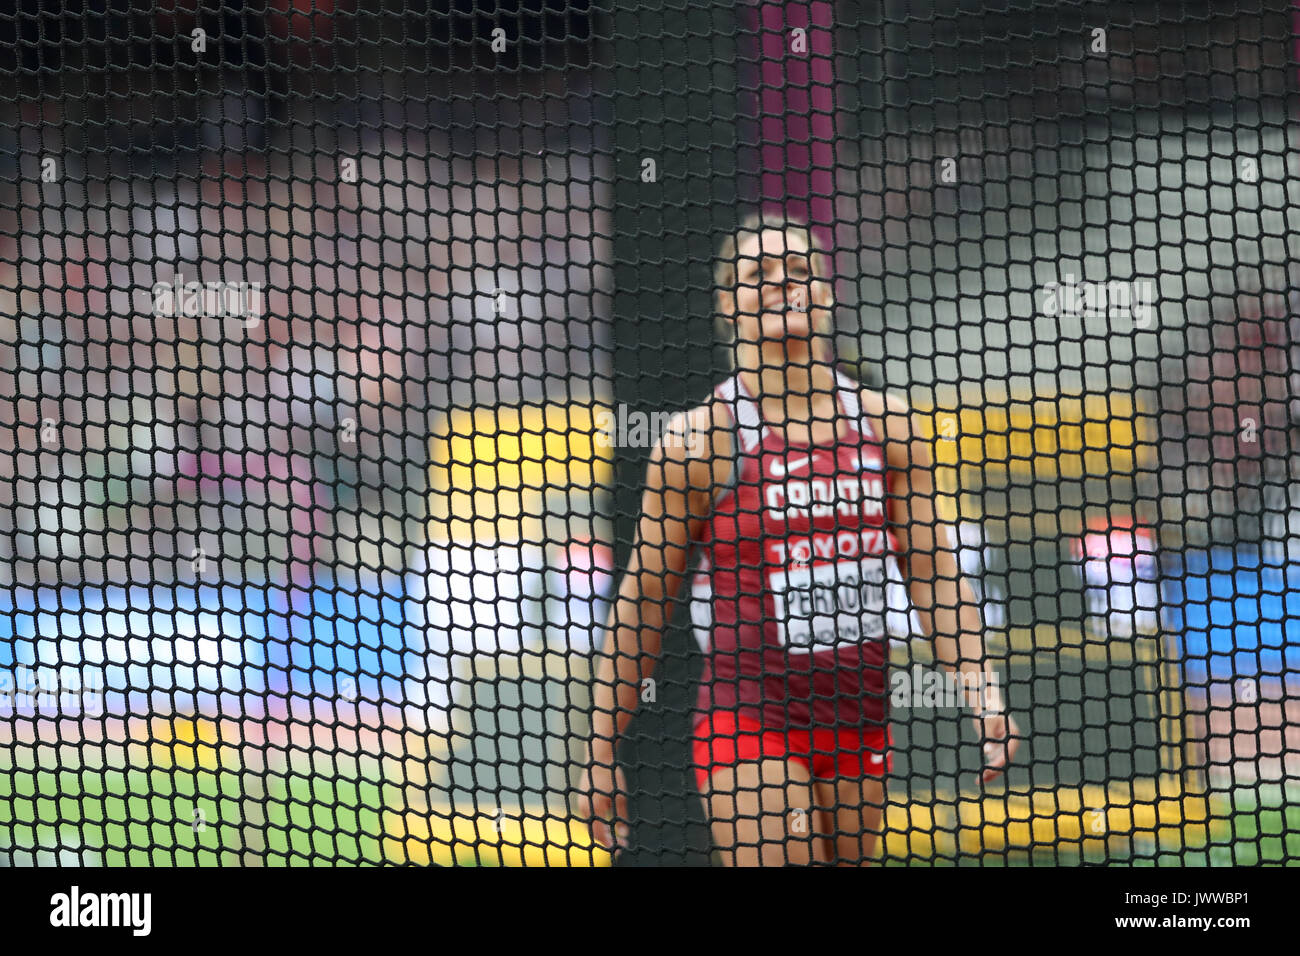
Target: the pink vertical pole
(796, 105)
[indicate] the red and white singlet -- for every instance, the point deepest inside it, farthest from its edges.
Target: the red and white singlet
(798, 589)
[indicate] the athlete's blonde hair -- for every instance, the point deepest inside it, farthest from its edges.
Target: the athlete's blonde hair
(725, 265)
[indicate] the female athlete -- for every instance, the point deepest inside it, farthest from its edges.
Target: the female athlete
(803, 495)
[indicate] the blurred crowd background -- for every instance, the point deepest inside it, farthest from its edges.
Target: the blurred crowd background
(433, 222)
(441, 278)
(466, 259)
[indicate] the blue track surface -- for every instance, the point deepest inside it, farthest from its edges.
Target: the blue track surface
(1236, 616)
(357, 638)
(362, 636)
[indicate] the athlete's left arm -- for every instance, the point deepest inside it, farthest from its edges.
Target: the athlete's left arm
(944, 601)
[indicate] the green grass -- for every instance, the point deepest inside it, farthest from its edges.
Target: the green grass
(172, 816)
(1264, 829)
(324, 821)
(185, 817)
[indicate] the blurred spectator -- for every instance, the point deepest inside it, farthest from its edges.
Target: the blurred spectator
(579, 584)
(981, 563)
(1122, 590)
(1228, 425)
(440, 278)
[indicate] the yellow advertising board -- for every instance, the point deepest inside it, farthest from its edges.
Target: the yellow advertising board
(493, 466)
(1066, 436)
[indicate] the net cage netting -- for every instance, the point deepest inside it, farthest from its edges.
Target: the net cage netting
(362, 361)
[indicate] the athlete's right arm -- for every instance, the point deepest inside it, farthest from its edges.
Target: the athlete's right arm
(678, 495)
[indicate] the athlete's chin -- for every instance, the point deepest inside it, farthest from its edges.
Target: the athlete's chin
(782, 326)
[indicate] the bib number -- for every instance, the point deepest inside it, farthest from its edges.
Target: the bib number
(827, 605)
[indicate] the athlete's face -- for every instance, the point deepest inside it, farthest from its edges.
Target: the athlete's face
(776, 297)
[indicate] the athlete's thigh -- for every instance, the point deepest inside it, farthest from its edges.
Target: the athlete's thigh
(762, 813)
(857, 807)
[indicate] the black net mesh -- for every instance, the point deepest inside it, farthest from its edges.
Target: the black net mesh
(362, 361)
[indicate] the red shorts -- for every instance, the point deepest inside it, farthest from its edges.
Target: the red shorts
(724, 739)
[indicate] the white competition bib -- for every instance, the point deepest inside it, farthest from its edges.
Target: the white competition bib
(819, 607)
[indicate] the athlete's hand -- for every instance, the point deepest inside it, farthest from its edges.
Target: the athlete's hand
(601, 796)
(1000, 739)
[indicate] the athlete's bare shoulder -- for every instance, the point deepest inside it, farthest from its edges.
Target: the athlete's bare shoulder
(695, 447)
(890, 414)
(901, 429)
